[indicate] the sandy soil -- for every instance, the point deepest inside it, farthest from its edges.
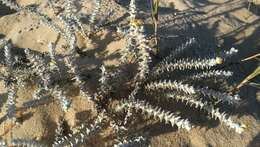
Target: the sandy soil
(218, 24)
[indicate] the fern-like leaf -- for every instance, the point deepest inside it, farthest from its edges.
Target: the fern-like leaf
(215, 113)
(78, 138)
(210, 74)
(170, 85)
(156, 112)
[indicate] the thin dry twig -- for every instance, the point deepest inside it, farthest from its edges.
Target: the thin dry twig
(251, 57)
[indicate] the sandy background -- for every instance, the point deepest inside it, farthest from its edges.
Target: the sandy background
(217, 24)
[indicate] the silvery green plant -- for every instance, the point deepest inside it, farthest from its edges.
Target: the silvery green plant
(131, 33)
(96, 10)
(175, 78)
(84, 132)
(10, 82)
(12, 5)
(180, 87)
(59, 131)
(43, 68)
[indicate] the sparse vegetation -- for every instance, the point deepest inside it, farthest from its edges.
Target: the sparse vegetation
(120, 98)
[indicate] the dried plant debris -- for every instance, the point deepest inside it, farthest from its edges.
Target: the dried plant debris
(27, 142)
(175, 77)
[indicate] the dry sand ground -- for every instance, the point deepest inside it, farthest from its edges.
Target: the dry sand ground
(218, 24)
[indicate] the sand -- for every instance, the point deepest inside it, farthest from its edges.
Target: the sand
(218, 24)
